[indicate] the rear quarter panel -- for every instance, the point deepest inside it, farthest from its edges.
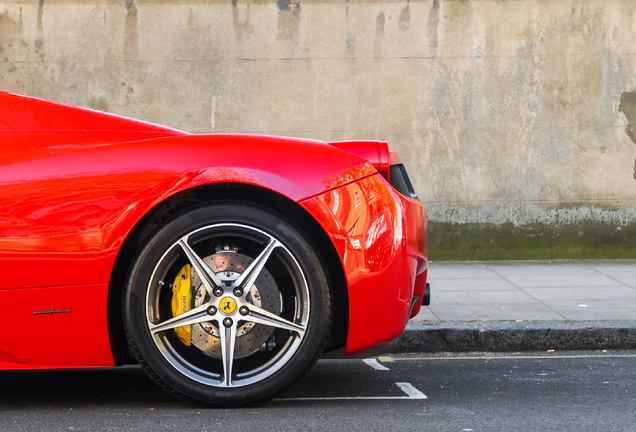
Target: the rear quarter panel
(380, 237)
(66, 212)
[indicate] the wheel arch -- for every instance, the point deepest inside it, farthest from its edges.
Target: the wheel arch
(177, 204)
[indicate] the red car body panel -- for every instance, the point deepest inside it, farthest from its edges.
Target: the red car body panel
(24, 113)
(55, 327)
(74, 183)
(63, 209)
(381, 246)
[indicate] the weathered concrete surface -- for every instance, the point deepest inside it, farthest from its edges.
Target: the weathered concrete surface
(517, 112)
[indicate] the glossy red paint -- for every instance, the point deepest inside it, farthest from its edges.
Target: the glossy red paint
(70, 210)
(54, 327)
(381, 240)
(376, 152)
(24, 113)
(75, 182)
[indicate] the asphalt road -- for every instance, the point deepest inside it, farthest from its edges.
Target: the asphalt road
(582, 391)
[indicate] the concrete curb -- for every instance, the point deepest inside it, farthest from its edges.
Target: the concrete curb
(505, 336)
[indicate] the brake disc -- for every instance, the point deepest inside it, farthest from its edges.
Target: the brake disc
(264, 294)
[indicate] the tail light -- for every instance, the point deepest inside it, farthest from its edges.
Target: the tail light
(388, 163)
(376, 152)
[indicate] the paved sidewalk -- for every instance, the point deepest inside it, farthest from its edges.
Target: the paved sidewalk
(505, 306)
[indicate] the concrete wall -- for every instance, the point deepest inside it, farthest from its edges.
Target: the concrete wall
(513, 116)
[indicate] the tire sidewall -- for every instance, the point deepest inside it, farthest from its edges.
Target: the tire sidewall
(283, 230)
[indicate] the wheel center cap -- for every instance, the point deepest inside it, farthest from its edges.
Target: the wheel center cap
(227, 305)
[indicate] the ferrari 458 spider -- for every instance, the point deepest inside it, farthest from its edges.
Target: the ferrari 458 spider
(224, 264)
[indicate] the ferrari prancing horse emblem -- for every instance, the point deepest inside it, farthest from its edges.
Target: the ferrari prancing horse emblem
(228, 305)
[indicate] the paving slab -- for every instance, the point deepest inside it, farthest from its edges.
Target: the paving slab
(502, 306)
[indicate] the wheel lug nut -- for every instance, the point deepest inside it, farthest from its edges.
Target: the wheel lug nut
(212, 310)
(227, 322)
(238, 292)
(244, 310)
(217, 291)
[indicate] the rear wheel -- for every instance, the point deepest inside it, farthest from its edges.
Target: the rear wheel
(228, 304)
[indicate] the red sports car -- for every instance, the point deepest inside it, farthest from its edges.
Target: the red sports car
(224, 264)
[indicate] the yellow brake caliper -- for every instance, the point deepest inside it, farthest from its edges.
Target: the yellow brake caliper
(182, 302)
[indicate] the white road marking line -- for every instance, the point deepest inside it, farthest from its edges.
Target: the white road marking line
(375, 364)
(411, 391)
(412, 394)
(603, 355)
(346, 398)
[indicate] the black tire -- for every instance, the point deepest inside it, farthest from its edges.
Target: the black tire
(259, 310)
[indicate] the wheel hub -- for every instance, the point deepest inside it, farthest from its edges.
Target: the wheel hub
(250, 337)
(228, 305)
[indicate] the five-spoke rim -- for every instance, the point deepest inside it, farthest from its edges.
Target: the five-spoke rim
(227, 306)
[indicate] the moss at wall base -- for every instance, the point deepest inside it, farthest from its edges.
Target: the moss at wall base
(460, 242)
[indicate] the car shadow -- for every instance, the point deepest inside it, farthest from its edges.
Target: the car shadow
(128, 385)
